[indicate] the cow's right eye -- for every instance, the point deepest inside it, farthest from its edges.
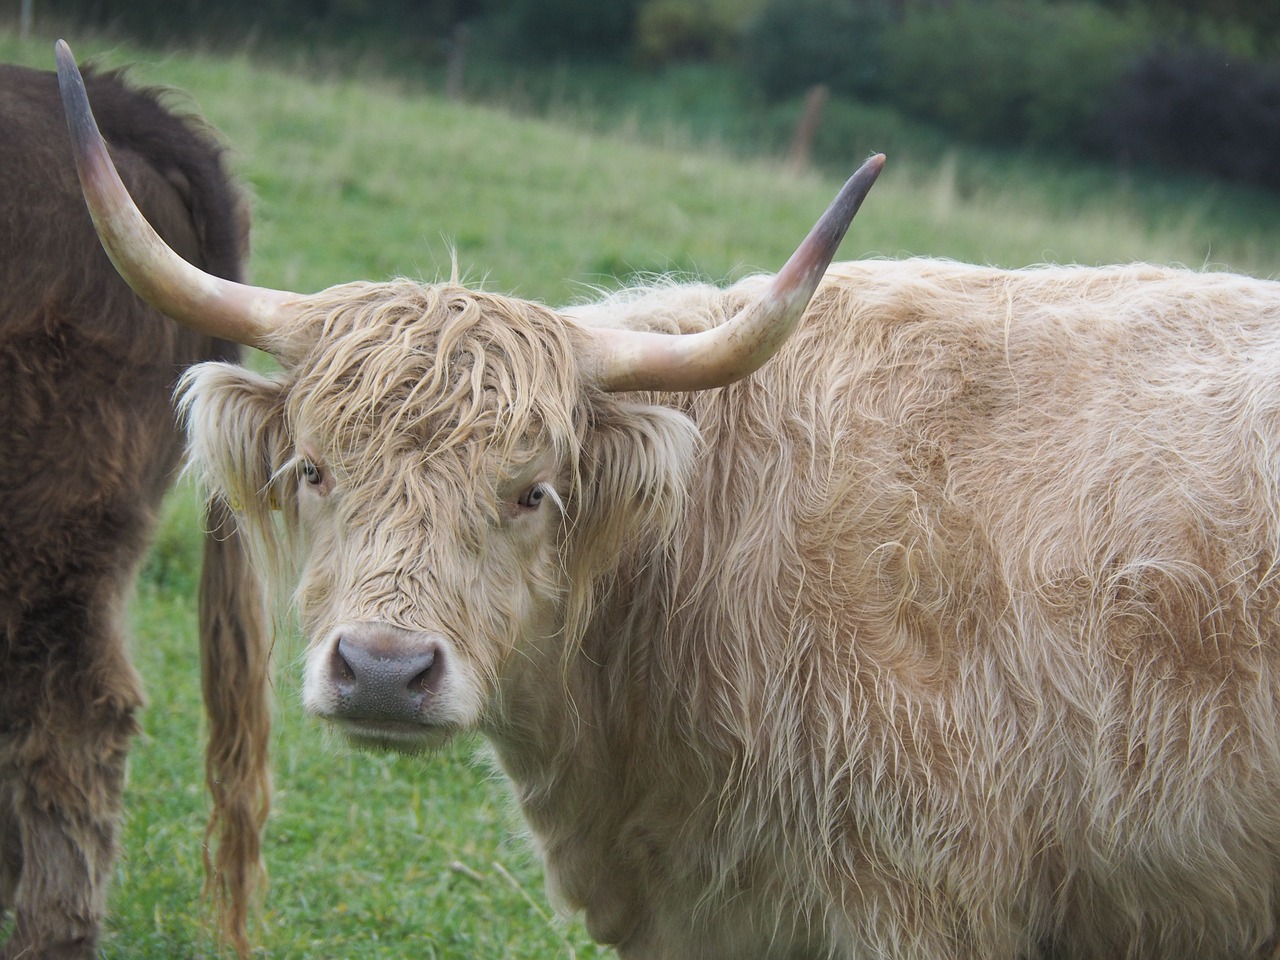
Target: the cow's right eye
(532, 498)
(311, 473)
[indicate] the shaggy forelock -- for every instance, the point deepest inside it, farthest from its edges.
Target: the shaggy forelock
(406, 369)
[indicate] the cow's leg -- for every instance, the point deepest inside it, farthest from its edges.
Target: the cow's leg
(66, 769)
(67, 809)
(10, 840)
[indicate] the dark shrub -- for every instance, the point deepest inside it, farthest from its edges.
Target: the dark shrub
(795, 44)
(670, 31)
(581, 28)
(1199, 110)
(1013, 71)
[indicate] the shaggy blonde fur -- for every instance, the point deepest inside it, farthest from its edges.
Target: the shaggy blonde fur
(952, 632)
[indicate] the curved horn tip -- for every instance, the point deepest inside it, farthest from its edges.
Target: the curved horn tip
(855, 190)
(75, 99)
(864, 177)
(65, 60)
(800, 275)
(627, 360)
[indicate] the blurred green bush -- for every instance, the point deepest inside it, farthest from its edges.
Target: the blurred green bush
(794, 44)
(672, 31)
(1010, 71)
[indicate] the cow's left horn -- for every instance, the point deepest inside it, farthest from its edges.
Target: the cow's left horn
(212, 305)
(637, 360)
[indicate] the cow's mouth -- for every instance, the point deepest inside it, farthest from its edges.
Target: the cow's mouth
(399, 736)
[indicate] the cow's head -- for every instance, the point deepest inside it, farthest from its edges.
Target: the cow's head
(446, 472)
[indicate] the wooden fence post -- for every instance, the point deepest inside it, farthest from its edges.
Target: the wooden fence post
(807, 128)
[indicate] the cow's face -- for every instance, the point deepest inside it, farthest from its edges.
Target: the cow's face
(436, 464)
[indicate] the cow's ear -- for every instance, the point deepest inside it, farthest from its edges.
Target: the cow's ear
(237, 436)
(636, 462)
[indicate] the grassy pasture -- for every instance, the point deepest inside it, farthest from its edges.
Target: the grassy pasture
(373, 856)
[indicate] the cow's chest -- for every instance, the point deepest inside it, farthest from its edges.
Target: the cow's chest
(658, 887)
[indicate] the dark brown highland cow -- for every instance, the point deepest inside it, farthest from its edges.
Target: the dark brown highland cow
(88, 446)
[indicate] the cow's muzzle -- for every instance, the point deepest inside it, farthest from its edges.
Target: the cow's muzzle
(379, 674)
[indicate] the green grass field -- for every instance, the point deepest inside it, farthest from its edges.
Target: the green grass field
(372, 856)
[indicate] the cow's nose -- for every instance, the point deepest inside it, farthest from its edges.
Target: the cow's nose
(386, 674)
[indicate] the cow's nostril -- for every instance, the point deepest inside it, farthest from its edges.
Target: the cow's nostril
(339, 669)
(426, 680)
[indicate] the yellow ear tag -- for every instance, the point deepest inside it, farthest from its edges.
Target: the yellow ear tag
(235, 505)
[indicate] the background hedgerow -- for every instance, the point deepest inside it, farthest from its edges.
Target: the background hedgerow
(1193, 109)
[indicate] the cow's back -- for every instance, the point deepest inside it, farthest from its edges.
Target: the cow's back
(87, 370)
(977, 584)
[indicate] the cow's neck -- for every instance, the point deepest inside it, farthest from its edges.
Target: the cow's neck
(578, 741)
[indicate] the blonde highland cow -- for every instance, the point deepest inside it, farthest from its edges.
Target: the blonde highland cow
(950, 631)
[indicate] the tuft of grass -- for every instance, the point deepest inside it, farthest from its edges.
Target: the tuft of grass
(378, 856)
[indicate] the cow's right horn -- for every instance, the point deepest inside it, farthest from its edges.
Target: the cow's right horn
(212, 305)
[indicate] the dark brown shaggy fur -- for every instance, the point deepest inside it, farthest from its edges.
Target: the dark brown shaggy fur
(87, 449)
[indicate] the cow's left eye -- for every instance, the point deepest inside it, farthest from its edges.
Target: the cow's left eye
(311, 473)
(532, 498)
